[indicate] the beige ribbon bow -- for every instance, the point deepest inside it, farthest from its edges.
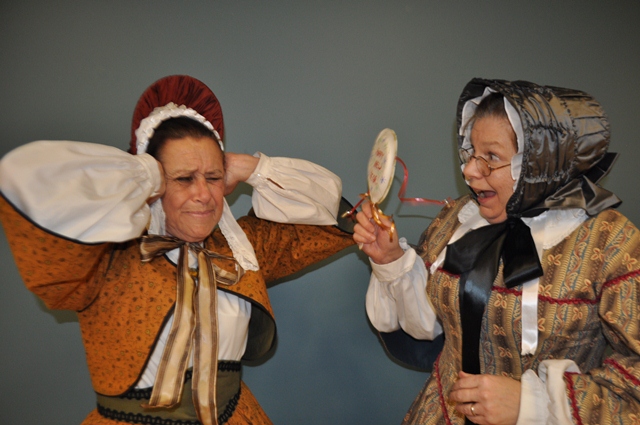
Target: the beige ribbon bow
(195, 325)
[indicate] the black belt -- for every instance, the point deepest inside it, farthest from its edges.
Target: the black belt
(128, 406)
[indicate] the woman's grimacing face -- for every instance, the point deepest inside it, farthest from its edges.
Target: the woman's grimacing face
(193, 198)
(493, 139)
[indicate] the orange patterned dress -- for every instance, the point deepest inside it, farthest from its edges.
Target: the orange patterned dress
(123, 303)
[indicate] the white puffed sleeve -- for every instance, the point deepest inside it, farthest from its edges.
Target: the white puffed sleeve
(397, 298)
(288, 190)
(84, 191)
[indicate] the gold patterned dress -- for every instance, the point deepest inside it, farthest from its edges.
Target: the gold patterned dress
(589, 298)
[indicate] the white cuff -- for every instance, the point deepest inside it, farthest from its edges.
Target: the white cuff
(552, 373)
(151, 165)
(391, 271)
(288, 190)
(534, 400)
(543, 398)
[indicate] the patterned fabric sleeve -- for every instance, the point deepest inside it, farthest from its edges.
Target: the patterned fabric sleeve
(283, 249)
(610, 394)
(56, 269)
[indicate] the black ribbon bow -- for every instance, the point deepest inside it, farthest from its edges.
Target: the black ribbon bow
(476, 258)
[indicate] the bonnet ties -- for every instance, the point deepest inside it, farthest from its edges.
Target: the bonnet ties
(476, 258)
(195, 326)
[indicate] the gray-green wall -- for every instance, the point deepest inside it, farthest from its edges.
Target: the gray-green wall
(310, 79)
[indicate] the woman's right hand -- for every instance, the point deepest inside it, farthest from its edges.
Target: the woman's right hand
(374, 240)
(163, 185)
(487, 399)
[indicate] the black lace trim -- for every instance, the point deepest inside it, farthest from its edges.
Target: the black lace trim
(231, 407)
(137, 394)
(139, 418)
(229, 366)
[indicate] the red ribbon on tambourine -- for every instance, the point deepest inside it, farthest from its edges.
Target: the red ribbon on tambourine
(380, 172)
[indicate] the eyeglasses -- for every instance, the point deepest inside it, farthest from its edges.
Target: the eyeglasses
(481, 164)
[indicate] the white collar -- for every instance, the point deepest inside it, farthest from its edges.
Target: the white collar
(547, 229)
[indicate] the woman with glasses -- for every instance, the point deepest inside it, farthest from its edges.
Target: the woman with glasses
(170, 290)
(531, 280)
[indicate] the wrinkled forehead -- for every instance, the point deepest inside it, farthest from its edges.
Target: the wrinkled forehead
(188, 154)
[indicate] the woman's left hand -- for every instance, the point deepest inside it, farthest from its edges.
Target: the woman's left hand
(487, 399)
(239, 167)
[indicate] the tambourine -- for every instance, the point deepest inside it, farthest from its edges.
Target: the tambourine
(380, 172)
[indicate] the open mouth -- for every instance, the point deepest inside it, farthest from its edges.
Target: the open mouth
(485, 194)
